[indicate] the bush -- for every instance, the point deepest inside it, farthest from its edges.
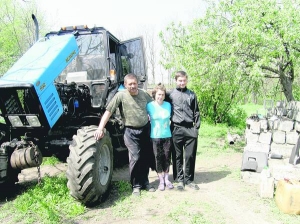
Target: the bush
(237, 118)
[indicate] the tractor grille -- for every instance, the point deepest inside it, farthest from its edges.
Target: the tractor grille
(51, 107)
(12, 105)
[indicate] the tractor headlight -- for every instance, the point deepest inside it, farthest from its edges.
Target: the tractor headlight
(15, 121)
(33, 121)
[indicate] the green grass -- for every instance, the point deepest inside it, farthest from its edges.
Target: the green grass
(50, 160)
(181, 214)
(253, 109)
(213, 139)
(280, 216)
(122, 206)
(48, 202)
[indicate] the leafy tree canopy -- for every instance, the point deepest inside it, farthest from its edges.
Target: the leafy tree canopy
(17, 31)
(233, 48)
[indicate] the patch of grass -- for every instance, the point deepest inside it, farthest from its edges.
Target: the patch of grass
(235, 174)
(182, 214)
(279, 215)
(122, 206)
(252, 108)
(213, 131)
(213, 139)
(2, 119)
(48, 202)
(4, 213)
(123, 187)
(50, 160)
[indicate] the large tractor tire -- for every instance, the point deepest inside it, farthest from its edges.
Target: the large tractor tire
(90, 166)
(8, 184)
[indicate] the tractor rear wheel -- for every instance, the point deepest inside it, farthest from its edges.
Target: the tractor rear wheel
(90, 166)
(7, 184)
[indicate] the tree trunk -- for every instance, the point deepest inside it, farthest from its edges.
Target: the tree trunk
(254, 97)
(287, 86)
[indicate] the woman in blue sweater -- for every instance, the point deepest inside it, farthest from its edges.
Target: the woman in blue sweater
(160, 112)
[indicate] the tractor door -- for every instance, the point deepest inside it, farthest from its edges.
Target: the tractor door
(133, 60)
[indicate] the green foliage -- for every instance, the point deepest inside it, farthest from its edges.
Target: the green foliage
(17, 31)
(123, 187)
(49, 202)
(231, 50)
(236, 118)
(296, 91)
(50, 160)
(251, 108)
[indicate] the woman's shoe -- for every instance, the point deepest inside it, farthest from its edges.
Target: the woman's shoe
(161, 186)
(169, 185)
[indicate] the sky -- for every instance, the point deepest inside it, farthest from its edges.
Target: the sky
(121, 16)
(125, 19)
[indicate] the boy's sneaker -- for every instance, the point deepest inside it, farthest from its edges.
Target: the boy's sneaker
(180, 186)
(193, 186)
(149, 188)
(136, 192)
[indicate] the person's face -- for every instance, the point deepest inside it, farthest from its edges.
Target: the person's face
(181, 82)
(159, 96)
(132, 86)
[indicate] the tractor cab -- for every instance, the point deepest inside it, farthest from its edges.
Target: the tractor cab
(102, 62)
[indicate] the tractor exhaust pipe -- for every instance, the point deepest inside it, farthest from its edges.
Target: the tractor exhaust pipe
(36, 27)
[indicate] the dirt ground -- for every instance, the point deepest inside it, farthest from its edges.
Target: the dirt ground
(223, 198)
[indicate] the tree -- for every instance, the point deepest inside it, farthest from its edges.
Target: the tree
(17, 31)
(234, 47)
(150, 50)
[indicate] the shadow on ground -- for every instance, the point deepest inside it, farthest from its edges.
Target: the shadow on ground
(210, 176)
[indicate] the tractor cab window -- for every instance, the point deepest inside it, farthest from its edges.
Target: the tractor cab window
(98, 89)
(114, 67)
(132, 58)
(90, 64)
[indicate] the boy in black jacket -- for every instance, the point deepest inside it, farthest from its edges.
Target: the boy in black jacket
(185, 125)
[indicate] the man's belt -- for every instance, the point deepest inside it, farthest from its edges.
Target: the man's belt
(184, 124)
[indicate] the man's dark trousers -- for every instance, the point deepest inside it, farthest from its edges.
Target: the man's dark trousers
(137, 141)
(185, 145)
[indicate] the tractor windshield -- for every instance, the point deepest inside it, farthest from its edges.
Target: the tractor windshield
(90, 64)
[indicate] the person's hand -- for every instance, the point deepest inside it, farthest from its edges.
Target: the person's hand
(99, 133)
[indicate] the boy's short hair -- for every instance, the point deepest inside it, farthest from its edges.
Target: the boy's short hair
(180, 74)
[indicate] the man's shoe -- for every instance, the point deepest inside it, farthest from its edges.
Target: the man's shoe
(149, 188)
(180, 186)
(193, 186)
(136, 192)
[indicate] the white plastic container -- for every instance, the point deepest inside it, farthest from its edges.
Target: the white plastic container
(266, 185)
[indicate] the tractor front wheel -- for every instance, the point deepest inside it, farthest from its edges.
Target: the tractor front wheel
(90, 166)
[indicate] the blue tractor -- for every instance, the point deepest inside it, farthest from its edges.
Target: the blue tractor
(51, 102)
